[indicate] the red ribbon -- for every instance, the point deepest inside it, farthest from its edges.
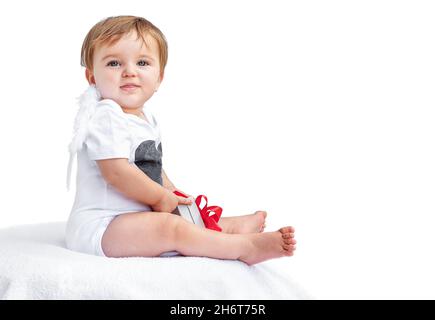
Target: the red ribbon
(210, 214)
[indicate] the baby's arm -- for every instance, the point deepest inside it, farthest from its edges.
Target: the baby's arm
(133, 183)
(166, 182)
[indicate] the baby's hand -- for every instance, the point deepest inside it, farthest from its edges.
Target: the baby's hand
(173, 189)
(169, 201)
(183, 200)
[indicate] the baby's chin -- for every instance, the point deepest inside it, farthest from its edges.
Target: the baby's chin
(127, 104)
(131, 108)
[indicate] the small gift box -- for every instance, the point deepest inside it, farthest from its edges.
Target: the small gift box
(190, 213)
(198, 213)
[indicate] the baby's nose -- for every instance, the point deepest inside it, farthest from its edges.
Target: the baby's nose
(129, 71)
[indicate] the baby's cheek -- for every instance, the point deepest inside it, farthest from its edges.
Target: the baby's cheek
(105, 91)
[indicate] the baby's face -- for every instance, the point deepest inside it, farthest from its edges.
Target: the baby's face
(127, 72)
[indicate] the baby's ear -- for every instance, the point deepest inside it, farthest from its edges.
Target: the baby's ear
(90, 76)
(162, 74)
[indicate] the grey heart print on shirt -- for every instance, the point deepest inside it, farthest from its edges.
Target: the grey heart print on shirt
(148, 158)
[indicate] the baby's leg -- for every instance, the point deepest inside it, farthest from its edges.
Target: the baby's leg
(250, 223)
(152, 233)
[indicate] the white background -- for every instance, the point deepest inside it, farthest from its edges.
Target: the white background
(320, 112)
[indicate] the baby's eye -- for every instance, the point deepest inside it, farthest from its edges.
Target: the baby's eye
(112, 63)
(143, 63)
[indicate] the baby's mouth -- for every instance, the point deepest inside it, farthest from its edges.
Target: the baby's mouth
(129, 87)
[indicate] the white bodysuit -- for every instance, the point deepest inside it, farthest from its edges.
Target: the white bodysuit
(111, 134)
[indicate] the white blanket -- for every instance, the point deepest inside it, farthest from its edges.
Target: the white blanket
(34, 264)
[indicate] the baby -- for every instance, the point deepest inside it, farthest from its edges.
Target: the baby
(124, 199)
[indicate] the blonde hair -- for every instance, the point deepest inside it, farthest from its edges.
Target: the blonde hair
(111, 29)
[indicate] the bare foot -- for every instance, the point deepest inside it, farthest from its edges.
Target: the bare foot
(250, 223)
(269, 245)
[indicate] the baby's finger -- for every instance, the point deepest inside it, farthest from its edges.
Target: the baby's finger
(182, 200)
(186, 194)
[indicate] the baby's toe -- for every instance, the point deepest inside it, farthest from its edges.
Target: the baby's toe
(288, 249)
(261, 212)
(287, 230)
(288, 241)
(264, 213)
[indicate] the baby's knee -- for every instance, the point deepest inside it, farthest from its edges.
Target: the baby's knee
(170, 224)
